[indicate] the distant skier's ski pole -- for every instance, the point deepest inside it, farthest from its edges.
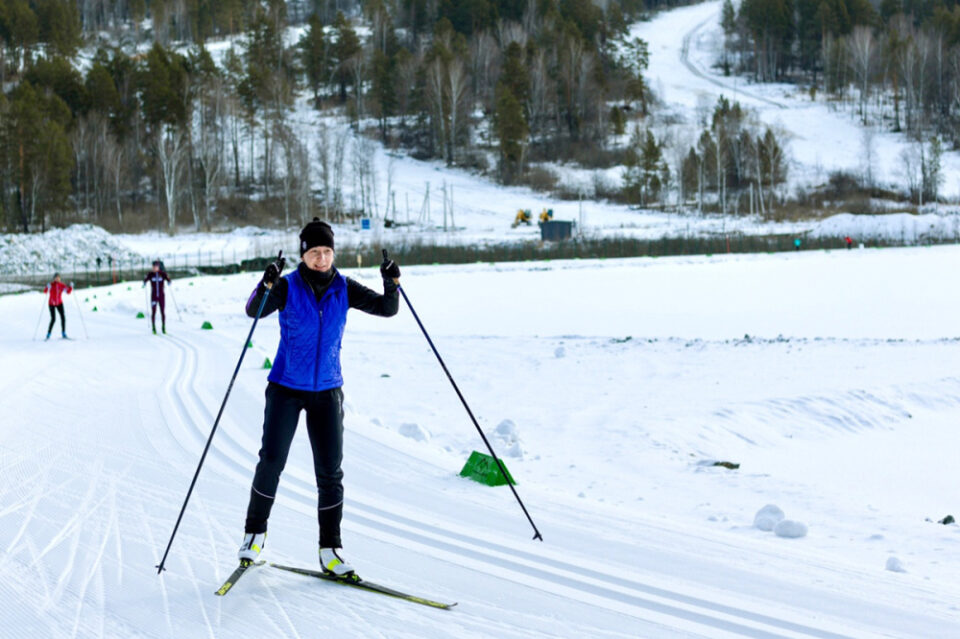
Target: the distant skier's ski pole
(146, 301)
(172, 297)
(40, 319)
(503, 471)
(80, 313)
(216, 423)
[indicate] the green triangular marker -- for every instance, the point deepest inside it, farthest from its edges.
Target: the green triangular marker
(207, 326)
(266, 363)
(250, 344)
(140, 315)
(94, 309)
(483, 468)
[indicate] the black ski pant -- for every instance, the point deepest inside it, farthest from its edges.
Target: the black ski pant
(154, 303)
(53, 319)
(325, 429)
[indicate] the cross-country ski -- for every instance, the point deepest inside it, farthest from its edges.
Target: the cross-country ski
(235, 576)
(363, 584)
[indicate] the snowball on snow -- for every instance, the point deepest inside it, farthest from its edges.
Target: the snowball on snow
(790, 529)
(507, 430)
(894, 565)
(509, 437)
(515, 451)
(415, 432)
(768, 517)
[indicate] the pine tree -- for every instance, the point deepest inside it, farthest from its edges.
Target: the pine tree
(514, 74)
(511, 129)
(38, 141)
(314, 56)
(346, 45)
(646, 172)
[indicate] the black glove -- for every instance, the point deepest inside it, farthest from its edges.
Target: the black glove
(389, 269)
(273, 270)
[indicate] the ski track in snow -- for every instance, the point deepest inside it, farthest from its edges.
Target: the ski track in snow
(546, 572)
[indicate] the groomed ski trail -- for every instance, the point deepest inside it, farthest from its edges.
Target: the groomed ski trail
(546, 571)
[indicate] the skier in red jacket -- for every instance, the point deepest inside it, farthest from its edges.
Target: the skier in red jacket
(56, 289)
(156, 277)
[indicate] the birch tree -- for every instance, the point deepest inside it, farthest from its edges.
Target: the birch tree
(170, 146)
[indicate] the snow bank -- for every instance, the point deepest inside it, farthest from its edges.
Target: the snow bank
(77, 246)
(12, 288)
(233, 246)
(903, 227)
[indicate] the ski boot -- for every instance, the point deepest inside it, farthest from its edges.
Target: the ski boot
(64, 335)
(333, 564)
(48, 336)
(164, 329)
(154, 330)
(250, 548)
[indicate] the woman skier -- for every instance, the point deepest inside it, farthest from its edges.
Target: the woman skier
(56, 288)
(313, 301)
(156, 277)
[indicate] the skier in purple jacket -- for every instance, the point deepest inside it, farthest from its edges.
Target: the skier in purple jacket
(156, 277)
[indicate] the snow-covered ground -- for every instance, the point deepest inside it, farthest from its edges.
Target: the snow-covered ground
(829, 377)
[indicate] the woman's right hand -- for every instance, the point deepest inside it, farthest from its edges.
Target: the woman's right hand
(272, 273)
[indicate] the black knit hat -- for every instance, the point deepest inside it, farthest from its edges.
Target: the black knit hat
(315, 233)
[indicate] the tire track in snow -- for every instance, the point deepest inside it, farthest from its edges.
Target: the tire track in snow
(695, 70)
(697, 610)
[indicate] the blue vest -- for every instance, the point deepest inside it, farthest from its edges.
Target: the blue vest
(308, 357)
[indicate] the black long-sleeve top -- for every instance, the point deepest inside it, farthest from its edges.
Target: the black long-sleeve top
(358, 296)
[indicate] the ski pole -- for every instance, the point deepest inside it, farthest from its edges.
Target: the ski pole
(172, 297)
(503, 470)
(43, 304)
(216, 422)
(82, 321)
(146, 302)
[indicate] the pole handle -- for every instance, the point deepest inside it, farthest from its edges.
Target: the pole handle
(396, 280)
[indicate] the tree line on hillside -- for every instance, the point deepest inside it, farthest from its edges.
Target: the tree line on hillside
(895, 63)
(148, 120)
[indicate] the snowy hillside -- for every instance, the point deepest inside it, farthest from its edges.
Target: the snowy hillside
(829, 377)
(685, 44)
